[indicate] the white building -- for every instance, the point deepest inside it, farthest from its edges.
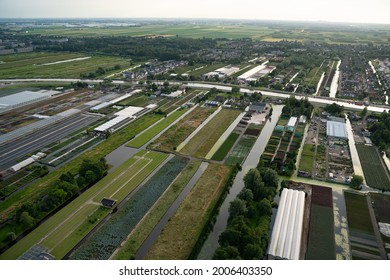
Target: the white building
(287, 231)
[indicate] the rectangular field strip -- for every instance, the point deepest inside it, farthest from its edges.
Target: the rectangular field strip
(147, 135)
(116, 185)
(374, 171)
(205, 139)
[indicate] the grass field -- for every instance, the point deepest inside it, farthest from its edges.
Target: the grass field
(266, 31)
(241, 150)
(147, 135)
(61, 232)
(205, 139)
(128, 250)
(171, 138)
(221, 153)
(321, 243)
(307, 158)
(374, 171)
(179, 236)
(31, 65)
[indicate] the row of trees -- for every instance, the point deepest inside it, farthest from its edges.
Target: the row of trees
(246, 236)
(60, 191)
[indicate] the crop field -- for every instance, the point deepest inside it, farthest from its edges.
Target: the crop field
(373, 168)
(183, 230)
(102, 243)
(381, 205)
(307, 158)
(128, 250)
(171, 138)
(98, 151)
(321, 240)
(148, 134)
(361, 231)
(261, 31)
(171, 105)
(241, 150)
(31, 65)
(61, 230)
(221, 153)
(205, 139)
(136, 100)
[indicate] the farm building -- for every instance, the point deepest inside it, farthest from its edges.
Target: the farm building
(108, 202)
(287, 231)
(336, 129)
(173, 94)
(302, 119)
(257, 107)
(129, 112)
(111, 124)
(257, 72)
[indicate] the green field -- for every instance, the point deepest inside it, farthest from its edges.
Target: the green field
(147, 135)
(180, 235)
(374, 171)
(307, 158)
(321, 243)
(31, 65)
(61, 232)
(360, 226)
(267, 31)
(221, 153)
(205, 139)
(241, 150)
(176, 134)
(128, 250)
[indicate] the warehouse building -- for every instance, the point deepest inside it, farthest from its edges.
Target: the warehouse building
(223, 72)
(287, 231)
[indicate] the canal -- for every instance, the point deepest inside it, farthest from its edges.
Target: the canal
(251, 161)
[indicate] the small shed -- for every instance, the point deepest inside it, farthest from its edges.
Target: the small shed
(108, 202)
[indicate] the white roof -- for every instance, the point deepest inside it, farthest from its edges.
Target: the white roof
(22, 164)
(251, 72)
(101, 106)
(111, 123)
(336, 129)
(292, 121)
(22, 98)
(129, 111)
(287, 231)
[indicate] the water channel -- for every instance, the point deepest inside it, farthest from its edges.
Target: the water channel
(251, 161)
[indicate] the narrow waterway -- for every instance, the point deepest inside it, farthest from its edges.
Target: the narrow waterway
(251, 161)
(150, 240)
(335, 82)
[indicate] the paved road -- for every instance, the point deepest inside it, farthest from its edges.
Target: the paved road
(11, 151)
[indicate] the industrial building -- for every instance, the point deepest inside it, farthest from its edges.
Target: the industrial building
(256, 73)
(336, 129)
(222, 72)
(287, 231)
(23, 98)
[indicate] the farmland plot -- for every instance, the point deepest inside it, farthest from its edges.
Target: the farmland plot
(205, 139)
(373, 167)
(171, 138)
(62, 231)
(107, 238)
(182, 232)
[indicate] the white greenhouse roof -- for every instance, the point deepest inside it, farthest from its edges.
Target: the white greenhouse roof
(129, 111)
(251, 72)
(22, 98)
(292, 121)
(336, 129)
(287, 231)
(111, 123)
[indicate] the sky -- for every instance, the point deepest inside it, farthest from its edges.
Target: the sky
(360, 11)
